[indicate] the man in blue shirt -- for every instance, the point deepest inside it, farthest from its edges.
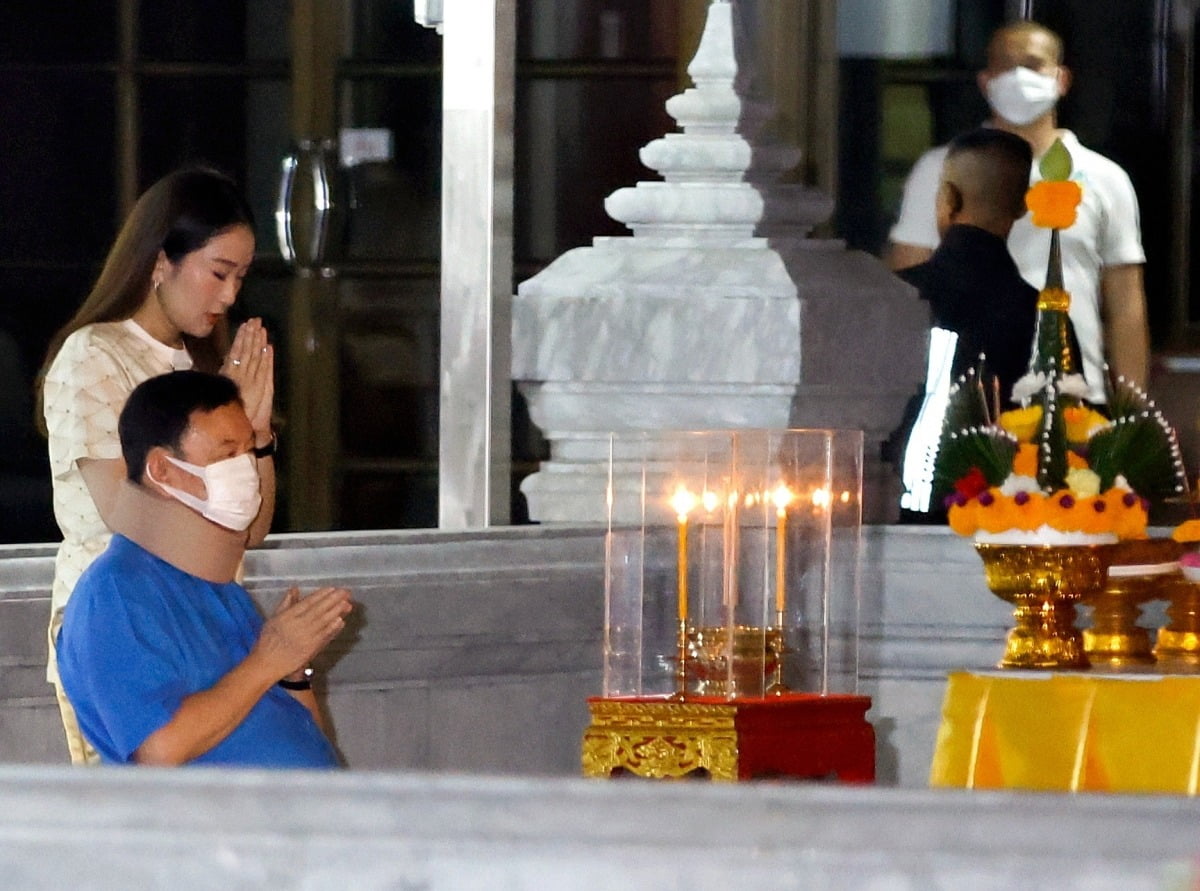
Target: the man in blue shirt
(162, 652)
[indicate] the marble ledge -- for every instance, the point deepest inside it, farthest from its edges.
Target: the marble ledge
(437, 832)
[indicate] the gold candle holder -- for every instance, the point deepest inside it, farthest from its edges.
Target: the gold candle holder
(1043, 583)
(731, 666)
(682, 501)
(781, 497)
(775, 643)
(1141, 570)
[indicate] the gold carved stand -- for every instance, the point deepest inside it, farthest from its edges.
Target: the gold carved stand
(1043, 584)
(1141, 570)
(1177, 647)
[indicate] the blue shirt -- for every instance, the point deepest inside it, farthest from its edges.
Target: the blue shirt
(140, 635)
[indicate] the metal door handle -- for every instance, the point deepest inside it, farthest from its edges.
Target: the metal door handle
(312, 154)
(283, 208)
(322, 199)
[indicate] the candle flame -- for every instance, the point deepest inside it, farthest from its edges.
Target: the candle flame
(683, 501)
(710, 500)
(781, 497)
(821, 498)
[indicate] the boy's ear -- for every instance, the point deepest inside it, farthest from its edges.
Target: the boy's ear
(953, 198)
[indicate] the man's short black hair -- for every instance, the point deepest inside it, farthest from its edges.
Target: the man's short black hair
(158, 410)
(993, 139)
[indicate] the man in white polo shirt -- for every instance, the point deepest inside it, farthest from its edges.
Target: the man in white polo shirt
(1102, 252)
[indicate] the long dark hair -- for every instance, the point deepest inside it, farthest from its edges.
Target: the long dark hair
(177, 215)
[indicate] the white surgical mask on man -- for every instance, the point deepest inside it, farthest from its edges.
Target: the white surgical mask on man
(232, 485)
(1021, 95)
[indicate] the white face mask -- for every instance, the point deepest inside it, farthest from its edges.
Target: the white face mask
(232, 485)
(1021, 96)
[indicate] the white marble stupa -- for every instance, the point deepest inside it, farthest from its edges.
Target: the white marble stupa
(719, 312)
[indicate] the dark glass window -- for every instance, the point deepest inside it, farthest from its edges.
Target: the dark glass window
(56, 179)
(213, 31)
(52, 33)
(186, 120)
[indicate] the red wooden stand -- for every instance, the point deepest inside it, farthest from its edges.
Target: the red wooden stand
(796, 735)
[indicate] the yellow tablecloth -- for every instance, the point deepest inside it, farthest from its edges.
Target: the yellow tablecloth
(1069, 732)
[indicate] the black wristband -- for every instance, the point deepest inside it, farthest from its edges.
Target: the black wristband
(305, 684)
(266, 451)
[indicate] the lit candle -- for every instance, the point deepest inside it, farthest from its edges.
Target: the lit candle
(781, 497)
(729, 596)
(682, 503)
(822, 498)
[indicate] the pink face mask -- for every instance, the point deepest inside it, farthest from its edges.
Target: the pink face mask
(232, 486)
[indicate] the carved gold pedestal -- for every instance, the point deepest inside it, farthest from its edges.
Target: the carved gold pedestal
(801, 735)
(1043, 583)
(1178, 644)
(1140, 571)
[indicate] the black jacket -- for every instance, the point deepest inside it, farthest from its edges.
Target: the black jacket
(975, 290)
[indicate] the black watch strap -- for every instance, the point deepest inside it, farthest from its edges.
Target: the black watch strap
(304, 683)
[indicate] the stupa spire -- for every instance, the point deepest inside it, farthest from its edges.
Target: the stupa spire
(721, 177)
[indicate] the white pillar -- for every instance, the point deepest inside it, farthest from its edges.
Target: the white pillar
(474, 452)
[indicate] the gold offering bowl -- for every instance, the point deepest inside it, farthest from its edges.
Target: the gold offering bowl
(1140, 571)
(1043, 583)
(1178, 645)
(744, 667)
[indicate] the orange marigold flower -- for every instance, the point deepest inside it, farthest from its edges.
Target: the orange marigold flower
(1053, 203)
(1129, 513)
(1061, 510)
(1092, 520)
(1188, 530)
(999, 516)
(992, 517)
(962, 518)
(1029, 509)
(1132, 523)
(1025, 462)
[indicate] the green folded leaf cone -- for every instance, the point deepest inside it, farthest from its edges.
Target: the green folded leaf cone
(1056, 163)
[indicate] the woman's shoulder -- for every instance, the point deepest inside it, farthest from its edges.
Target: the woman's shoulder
(99, 334)
(97, 358)
(99, 344)
(95, 340)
